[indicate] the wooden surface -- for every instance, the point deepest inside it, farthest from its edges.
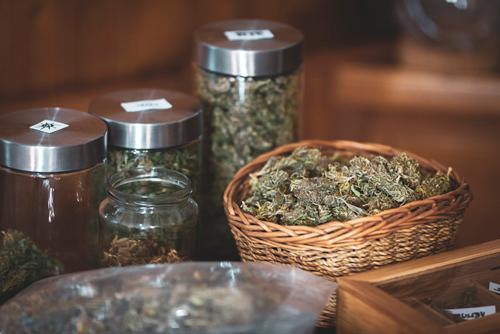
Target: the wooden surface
(399, 89)
(360, 312)
(366, 309)
(79, 98)
(442, 261)
(422, 56)
(378, 301)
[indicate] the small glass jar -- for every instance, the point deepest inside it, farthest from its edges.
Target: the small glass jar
(52, 181)
(249, 81)
(148, 217)
(152, 128)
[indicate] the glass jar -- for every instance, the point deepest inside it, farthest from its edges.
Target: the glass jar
(152, 128)
(450, 36)
(249, 80)
(148, 217)
(51, 181)
(457, 25)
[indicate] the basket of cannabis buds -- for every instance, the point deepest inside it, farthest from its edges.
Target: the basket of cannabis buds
(341, 207)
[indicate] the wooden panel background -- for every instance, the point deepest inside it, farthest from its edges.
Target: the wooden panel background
(47, 44)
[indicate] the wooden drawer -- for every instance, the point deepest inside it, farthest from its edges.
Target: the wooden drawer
(413, 297)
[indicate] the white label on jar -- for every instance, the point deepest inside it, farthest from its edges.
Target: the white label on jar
(471, 313)
(49, 126)
(494, 287)
(146, 105)
(248, 35)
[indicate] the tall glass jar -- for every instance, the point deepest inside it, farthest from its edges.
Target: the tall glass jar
(52, 181)
(148, 217)
(152, 128)
(248, 78)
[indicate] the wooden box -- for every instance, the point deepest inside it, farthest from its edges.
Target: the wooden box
(412, 297)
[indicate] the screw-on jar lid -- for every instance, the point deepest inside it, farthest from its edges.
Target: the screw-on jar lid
(149, 118)
(248, 48)
(51, 140)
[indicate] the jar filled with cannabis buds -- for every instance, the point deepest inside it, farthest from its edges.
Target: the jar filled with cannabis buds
(148, 217)
(152, 128)
(52, 181)
(248, 78)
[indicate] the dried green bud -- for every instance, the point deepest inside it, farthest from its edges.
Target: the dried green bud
(22, 263)
(127, 251)
(433, 185)
(244, 117)
(407, 168)
(380, 203)
(172, 241)
(373, 177)
(306, 188)
(183, 159)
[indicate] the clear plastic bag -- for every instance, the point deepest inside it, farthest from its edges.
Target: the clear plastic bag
(177, 298)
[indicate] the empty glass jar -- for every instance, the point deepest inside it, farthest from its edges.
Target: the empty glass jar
(52, 181)
(148, 217)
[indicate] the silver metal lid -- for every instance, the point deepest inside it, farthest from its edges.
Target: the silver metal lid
(51, 140)
(149, 118)
(248, 48)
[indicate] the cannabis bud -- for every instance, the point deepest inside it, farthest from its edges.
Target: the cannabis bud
(245, 117)
(307, 188)
(22, 263)
(182, 159)
(127, 251)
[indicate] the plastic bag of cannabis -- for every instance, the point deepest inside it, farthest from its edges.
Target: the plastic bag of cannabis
(173, 298)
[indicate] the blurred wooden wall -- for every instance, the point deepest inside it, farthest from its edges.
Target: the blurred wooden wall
(56, 43)
(59, 44)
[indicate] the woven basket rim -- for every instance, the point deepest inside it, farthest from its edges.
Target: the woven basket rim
(416, 209)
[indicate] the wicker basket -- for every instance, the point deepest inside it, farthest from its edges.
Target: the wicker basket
(336, 249)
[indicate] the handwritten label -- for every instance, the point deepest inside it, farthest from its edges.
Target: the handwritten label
(494, 287)
(143, 105)
(49, 126)
(248, 35)
(471, 313)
